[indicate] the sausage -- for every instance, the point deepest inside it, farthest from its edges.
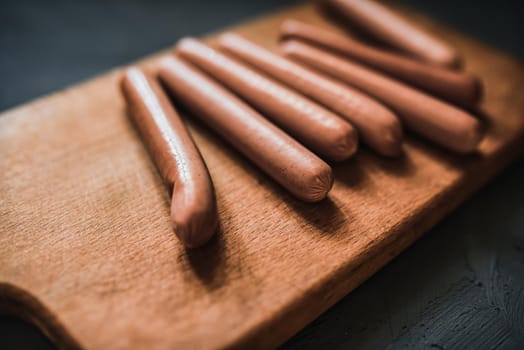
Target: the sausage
(390, 28)
(461, 88)
(285, 160)
(377, 125)
(438, 121)
(317, 128)
(193, 205)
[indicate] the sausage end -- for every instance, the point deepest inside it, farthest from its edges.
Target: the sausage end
(320, 183)
(194, 224)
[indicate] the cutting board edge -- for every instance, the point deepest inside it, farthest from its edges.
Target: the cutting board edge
(16, 301)
(386, 250)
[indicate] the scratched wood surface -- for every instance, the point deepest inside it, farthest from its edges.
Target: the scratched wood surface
(88, 254)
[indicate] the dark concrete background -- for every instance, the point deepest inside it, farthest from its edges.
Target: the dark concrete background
(461, 286)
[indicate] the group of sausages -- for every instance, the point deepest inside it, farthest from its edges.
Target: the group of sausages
(290, 113)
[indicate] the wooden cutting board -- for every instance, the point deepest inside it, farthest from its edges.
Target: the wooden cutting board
(88, 254)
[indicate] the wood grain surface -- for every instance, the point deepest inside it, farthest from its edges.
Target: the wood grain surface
(88, 254)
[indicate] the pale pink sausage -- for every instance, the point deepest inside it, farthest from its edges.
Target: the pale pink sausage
(193, 205)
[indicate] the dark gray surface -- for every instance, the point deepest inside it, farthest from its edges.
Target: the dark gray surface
(461, 286)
